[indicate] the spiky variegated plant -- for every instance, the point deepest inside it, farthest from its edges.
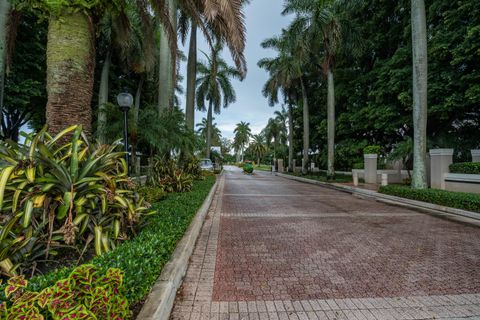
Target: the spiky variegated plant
(69, 193)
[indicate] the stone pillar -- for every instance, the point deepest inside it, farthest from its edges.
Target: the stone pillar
(294, 165)
(370, 165)
(355, 178)
(476, 155)
(303, 165)
(440, 160)
(280, 165)
(384, 179)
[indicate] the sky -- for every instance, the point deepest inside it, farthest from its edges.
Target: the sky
(263, 20)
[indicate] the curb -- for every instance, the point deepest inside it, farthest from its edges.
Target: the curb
(414, 204)
(161, 298)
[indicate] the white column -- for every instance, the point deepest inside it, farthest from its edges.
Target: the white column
(370, 165)
(440, 160)
(476, 155)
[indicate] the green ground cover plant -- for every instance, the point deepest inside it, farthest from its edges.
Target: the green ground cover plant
(459, 200)
(143, 257)
(321, 176)
(465, 167)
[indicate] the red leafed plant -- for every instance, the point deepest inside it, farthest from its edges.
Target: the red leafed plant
(85, 294)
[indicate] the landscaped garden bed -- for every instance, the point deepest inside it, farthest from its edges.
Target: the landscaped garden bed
(459, 200)
(322, 176)
(65, 202)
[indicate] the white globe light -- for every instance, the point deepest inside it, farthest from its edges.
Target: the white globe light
(125, 100)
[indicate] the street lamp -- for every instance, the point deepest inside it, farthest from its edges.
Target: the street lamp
(125, 101)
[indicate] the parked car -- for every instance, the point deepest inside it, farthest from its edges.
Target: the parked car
(206, 164)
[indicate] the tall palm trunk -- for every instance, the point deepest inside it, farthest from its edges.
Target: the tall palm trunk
(4, 15)
(70, 68)
(209, 128)
(420, 73)
(331, 125)
(290, 138)
(103, 99)
(306, 128)
(134, 126)
(165, 67)
(191, 77)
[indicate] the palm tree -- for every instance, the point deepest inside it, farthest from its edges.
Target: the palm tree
(242, 136)
(202, 130)
(4, 15)
(258, 146)
(214, 87)
(286, 76)
(272, 132)
(322, 23)
(227, 25)
(420, 76)
(129, 35)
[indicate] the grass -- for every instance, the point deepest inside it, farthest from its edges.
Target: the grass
(262, 167)
(143, 257)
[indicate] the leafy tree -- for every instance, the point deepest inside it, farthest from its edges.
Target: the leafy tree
(258, 147)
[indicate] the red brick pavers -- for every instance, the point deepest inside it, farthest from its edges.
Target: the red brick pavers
(273, 248)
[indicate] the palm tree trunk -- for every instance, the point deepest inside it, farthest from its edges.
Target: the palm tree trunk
(4, 15)
(70, 68)
(166, 71)
(290, 138)
(306, 128)
(420, 73)
(103, 100)
(209, 129)
(134, 127)
(191, 78)
(331, 125)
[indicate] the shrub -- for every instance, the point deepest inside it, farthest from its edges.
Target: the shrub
(372, 150)
(191, 166)
(465, 167)
(56, 192)
(248, 168)
(83, 295)
(166, 174)
(358, 165)
(143, 257)
(460, 200)
(152, 194)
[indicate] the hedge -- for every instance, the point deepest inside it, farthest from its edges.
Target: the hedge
(459, 200)
(143, 257)
(466, 167)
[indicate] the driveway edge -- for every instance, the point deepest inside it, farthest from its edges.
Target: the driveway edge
(161, 298)
(414, 204)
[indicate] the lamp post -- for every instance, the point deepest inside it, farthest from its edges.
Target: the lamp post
(125, 101)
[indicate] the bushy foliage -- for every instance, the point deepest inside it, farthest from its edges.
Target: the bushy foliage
(248, 167)
(62, 190)
(152, 194)
(372, 150)
(191, 166)
(166, 174)
(143, 257)
(460, 200)
(466, 167)
(85, 294)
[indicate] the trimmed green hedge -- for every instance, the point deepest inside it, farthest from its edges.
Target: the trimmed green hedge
(143, 257)
(459, 200)
(466, 167)
(372, 150)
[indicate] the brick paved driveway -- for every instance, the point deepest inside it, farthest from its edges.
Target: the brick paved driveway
(273, 248)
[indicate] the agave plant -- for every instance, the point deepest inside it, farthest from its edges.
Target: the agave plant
(73, 192)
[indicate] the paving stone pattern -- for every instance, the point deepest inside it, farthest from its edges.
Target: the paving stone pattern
(273, 248)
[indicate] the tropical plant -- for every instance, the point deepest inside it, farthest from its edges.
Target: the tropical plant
(242, 133)
(286, 76)
(64, 193)
(85, 294)
(272, 132)
(258, 146)
(166, 174)
(202, 130)
(420, 79)
(323, 23)
(214, 87)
